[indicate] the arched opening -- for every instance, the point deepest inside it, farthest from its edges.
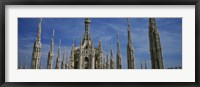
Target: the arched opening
(86, 63)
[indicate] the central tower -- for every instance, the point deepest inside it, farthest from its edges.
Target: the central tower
(86, 51)
(87, 29)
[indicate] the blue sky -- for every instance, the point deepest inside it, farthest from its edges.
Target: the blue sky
(106, 29)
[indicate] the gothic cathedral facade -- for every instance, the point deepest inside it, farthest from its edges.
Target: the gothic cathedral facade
(86, 56)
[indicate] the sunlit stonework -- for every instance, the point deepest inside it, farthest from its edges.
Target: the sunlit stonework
(86, 56)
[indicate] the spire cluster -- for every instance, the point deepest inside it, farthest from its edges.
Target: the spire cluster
(88, 57)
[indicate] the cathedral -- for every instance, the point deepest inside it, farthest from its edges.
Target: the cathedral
(86, 56)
